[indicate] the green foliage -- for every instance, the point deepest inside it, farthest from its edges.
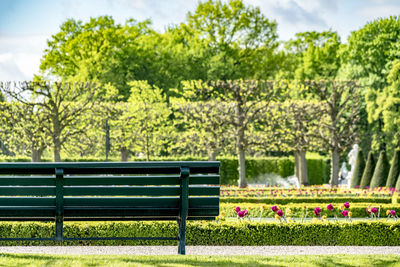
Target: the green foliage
(358, 170)
(326, 200)
(359, 233)
(368, 171)
(394, 170)
(381, 171)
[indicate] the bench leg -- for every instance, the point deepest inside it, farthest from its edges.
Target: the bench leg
(59, 228)
(182, 237)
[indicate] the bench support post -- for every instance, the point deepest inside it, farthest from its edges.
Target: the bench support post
(184, 206)
(59, 204)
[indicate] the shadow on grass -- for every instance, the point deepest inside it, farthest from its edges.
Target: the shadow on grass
(201, 261)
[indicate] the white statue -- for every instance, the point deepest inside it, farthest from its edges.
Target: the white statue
(343, 172)
(352, 160)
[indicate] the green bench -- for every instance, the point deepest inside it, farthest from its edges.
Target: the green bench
(109, 191)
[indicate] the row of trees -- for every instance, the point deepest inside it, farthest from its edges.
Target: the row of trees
(229, 117)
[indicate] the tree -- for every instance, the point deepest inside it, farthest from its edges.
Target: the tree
(206, 123)
(248, 102)
(24, 125)
(381, 171)
(369, 57)
(394, 170)
(241, 41)
(368, 171)
(313, 56)
(90, 52)
(62, 104)
(339, 131)
(294, 127)
(358, 170)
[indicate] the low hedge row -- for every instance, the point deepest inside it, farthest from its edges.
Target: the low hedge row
(287, 200)
(360, 233)
(297, 210)
(256, 168)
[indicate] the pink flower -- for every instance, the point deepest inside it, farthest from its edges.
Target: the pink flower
(330, 207)
(346, 205)
(279, 213)
(274, 208)
(237, 209)
(367, 210)
(345, 213)
(393, 213)
(317, 211)
(243, 213)
(374, 210)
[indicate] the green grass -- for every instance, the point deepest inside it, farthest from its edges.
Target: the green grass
(202, 261)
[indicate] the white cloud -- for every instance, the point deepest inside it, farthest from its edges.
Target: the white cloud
(377, 11)
(20, 57)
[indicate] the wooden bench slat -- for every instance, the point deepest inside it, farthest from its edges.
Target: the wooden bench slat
(121, 180)
(27, 180)
(160, 167)
(27, 191)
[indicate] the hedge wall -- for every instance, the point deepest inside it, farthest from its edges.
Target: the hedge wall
(286, 200)
(359, 233)
(318, 167)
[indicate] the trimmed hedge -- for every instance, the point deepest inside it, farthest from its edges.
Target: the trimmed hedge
(359, 233)
(394, 170)
(358, 170)
(368, 171)
(286, 200)
(318, 167)
(381, 171)
(297, 209)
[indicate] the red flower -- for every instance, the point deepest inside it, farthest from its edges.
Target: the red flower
(345, 213)
(317, 211)
(393, 213)
(279, 213)
(330, 207)
(374, 210)
(274, 208)
(346, 205)
(237, 209)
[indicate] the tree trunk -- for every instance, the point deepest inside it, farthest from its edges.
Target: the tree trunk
(296, 164)
(124, 154)
(303, 168)
(242, 169)
(36, 155)
(57, 149)
(334, 167)
(212, 154)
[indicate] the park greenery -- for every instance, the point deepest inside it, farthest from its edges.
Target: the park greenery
(220, 83)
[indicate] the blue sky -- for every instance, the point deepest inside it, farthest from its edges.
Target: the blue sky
(25, 25)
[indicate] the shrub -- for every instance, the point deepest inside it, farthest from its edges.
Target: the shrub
(358, 170)
(394, 170)
(368, 171)
(381, 171)
(359, 233)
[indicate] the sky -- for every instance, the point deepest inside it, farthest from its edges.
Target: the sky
(25, 25)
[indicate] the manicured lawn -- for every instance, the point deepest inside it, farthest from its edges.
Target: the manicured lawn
(232, 261)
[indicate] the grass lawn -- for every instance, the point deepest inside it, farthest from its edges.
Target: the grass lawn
(232, 261)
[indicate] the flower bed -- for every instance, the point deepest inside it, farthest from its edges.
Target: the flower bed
(297, 210)
(322, 200)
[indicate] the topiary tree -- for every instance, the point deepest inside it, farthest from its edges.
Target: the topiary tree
(394, 170)
(381, 171)
(368, 171)
(358, 170)
(398, 183)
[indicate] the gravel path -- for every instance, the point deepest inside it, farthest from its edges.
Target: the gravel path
(200, 250)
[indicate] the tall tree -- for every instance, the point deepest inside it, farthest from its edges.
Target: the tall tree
(62, 104)
(339, 131)
(248, 102)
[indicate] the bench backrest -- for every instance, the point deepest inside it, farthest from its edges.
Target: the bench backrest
(108, 190)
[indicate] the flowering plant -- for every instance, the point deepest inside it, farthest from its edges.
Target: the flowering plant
(241, 213)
